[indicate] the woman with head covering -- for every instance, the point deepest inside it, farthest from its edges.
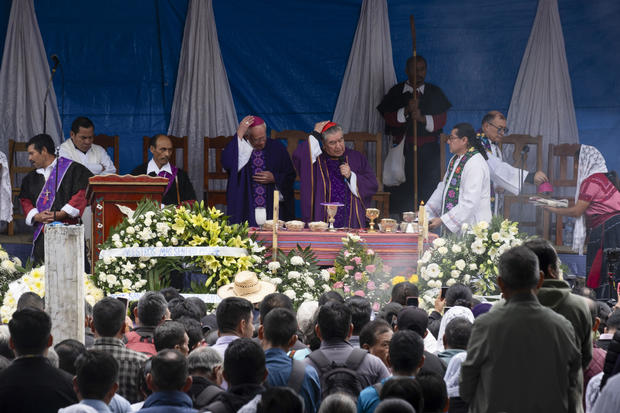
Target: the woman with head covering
(597, 209)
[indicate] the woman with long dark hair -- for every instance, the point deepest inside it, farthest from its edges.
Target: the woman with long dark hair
(463, 196)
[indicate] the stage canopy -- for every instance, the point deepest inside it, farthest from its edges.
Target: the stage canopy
(285, 60)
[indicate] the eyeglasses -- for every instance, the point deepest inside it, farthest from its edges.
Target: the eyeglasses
(452, 137)
(501, 130)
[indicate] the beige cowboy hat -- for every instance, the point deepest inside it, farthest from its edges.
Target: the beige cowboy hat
(248, 286)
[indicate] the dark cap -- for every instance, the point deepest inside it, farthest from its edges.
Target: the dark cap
(414, 319)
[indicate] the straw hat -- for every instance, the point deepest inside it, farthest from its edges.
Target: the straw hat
(247, 286)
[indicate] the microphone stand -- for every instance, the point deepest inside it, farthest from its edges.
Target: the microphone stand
(47, 91)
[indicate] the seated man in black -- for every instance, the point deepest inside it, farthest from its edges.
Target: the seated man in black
(179, 187)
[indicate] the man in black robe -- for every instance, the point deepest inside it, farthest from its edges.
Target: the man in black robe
(179, 187)
(399, 108)
(54, 191)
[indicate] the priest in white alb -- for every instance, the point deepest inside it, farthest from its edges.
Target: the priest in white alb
(80, 148)
(463, 196)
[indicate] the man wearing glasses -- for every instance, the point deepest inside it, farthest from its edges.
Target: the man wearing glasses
(503, 175)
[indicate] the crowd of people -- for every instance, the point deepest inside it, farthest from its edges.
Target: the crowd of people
(542, 348)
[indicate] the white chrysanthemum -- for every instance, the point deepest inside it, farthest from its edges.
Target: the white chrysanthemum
(126, 284)
(111, 279)
(516, 242)
(442, 250)
(325, 275)
(439, 242)
(307, 296)
(116, 237)
(128, 267)
(483, 225)
(3, 255)
(297, 260)
(8, 265)
(131, 230)
(310, 282)
(174, 241)
(477, 247)
(103, 277)
(326, 288)
(17, 261)
(107, 260)
(142, 265)
(290, 294)
(426, 257)
(273, 266)
(466, 278)
(460, 264)
(294, 275)
(455, 273)
(118, 244)
(148, 222)
(450, 282)
(456, 248)
(473, 266)
(159, 244)
(276, 280)
(495, 237)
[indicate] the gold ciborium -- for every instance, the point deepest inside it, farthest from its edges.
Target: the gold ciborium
(372, 214)
(332, 209)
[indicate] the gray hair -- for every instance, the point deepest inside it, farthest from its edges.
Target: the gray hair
(52, 356)
(338, 403)
(204, 358)
(332, 130)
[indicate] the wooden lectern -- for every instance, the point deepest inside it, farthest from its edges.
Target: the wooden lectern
(106, 191)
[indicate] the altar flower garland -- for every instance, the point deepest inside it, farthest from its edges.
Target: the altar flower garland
(360, 271)
(185, 226)
(298, 276)
(34, 281)
(470, 258)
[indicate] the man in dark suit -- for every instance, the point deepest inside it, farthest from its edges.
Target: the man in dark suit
(30, 383)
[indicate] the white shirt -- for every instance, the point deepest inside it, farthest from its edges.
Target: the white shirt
(46, 172)
(474, 202)
(152, 167)
(400, 115)
(316, 151)
(96, 159)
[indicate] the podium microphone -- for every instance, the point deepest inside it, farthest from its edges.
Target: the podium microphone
(56, 61)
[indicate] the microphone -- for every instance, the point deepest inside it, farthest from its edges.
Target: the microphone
(341, 161)
(56, 61)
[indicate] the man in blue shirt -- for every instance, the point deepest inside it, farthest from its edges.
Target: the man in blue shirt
(279, 334)
(169, 380)
(406, 358)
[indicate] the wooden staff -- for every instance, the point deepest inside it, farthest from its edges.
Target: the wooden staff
(415, 122)
(276, 210)
(422, 223)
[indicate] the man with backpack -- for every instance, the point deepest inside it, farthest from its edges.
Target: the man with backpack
(406, 357)
(342, 368)
(279, 334)
(152, 310)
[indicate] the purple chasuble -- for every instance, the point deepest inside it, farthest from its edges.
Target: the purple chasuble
(171, 176)
(338, 192)
(257, 162)
(48, 193)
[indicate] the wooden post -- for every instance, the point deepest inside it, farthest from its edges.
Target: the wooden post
(64, 280)
(415, 121)
(276, 216)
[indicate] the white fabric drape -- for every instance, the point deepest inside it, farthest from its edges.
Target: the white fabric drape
(23, 80)
(542, 100)
(203, 105)
(370, 71)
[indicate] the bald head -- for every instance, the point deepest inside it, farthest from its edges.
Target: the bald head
(161, 148)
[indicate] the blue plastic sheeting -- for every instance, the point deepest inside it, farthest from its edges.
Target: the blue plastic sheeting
(286, 59)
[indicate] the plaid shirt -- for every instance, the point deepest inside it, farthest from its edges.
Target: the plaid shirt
(129, 362)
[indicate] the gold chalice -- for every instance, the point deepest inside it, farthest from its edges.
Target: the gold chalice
(372, 214)
(332, 209)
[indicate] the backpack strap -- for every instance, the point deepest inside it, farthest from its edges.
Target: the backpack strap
(319, 358)
(298, 372)
(355, 358)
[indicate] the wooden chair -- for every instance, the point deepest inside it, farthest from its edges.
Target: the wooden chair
(291, 137)
(109, 142)
(443, 161)
(560, 176)
(365, 142)
(519, 142)
(214, 172)
(177, 143)
(15, 169)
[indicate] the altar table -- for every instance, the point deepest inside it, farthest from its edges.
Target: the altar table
(398, 250)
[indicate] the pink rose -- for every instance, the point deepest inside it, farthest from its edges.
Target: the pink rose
(385, 286)
(331, 270)
(371, 285)
(371, 268)
(338, 285)
(357, 260)
(347, 253)
(370, 252)
(360, 293)
(348, 267)
(347, 290)
(375, 306)
(358, 276)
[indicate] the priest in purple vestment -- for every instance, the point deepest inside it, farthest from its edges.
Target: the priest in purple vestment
(257, 166)
(333, 173)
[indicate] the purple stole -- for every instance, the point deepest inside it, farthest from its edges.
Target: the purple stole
(337, 190)
(48, 193)
(171, 177)
(257, 163)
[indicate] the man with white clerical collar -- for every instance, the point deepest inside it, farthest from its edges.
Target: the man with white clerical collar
(179, 187)
(80, 148)
(256, 166)
(503, 175)
(333, 173)
(54, 191)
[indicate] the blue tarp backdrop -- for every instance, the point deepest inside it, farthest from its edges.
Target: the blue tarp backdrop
(286, 59)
